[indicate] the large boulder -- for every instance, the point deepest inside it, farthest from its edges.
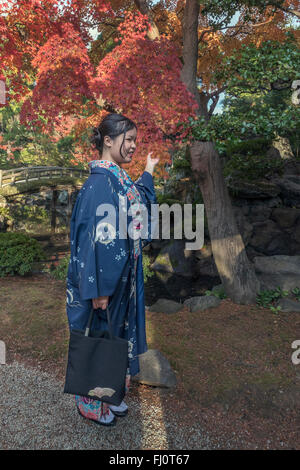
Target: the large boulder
(290, 189)
(295, 235)
(268, 238)
(259, 212)
(288, 305)
(278, 271)
(285, 217)
(155, 370)
(174, 258)
(202, 302)
(165, 306)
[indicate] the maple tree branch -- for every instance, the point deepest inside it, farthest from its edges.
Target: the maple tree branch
(285, 9)
(108, 24)
(247, 86)
(293, 12)
(238, 26)
(105, 39)
(217, 92)
(281, 85)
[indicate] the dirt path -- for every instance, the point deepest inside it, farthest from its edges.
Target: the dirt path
(237, 386)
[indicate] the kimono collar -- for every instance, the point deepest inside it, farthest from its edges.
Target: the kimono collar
(123, 177)
(103, 164)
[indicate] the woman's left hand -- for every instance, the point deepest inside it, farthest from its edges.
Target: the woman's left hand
(151, 162)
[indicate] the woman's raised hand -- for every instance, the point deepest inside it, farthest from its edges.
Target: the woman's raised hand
(151, 162)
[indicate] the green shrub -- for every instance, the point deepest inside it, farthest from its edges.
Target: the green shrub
(166, 199)
(247, 160)
(61, 270)
(266, 298)
(251, 167)
(248, 147)
(30, 216)
(296, 292)
(220, 294)
(182, 164)
(5, 213)
(146, 267)
(18, 253)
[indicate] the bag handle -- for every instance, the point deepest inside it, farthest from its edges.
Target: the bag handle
(88, 327)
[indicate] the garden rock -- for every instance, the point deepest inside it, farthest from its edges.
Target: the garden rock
(278, 271)
(285, 217)
(268, 238)
(260, 213)
(288, 305)
(201, 302)
(290, 189)
(155, 370)
(206, 267)
(296, 233)
(165, 306)
(173, 258)
(253, 190)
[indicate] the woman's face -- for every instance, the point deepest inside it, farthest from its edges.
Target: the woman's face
(127, 148)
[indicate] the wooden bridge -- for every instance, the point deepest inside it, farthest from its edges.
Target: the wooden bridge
(35, 173)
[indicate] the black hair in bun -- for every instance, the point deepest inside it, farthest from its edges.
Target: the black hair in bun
(112, 125)
(96, 139)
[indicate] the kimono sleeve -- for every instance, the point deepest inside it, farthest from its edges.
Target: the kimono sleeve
(104, 254)
(145, 186)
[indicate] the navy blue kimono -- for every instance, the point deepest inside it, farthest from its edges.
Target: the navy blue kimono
(104, 264)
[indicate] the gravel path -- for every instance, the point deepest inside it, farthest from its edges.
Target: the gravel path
(36, 414)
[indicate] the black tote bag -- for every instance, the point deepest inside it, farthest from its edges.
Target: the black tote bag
(97, 364)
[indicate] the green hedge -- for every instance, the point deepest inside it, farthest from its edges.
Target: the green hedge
(18, 253)
(252, 167)
(260, 145)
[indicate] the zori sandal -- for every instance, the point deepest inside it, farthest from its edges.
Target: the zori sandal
(95, 411)
(120, 410)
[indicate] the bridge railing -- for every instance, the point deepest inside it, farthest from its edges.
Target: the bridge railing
(25, 174)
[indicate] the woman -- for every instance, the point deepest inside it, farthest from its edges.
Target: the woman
(106, 269)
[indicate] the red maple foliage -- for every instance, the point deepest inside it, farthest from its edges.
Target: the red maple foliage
(139, 78)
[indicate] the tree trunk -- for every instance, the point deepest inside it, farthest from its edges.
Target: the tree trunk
(236, 272)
